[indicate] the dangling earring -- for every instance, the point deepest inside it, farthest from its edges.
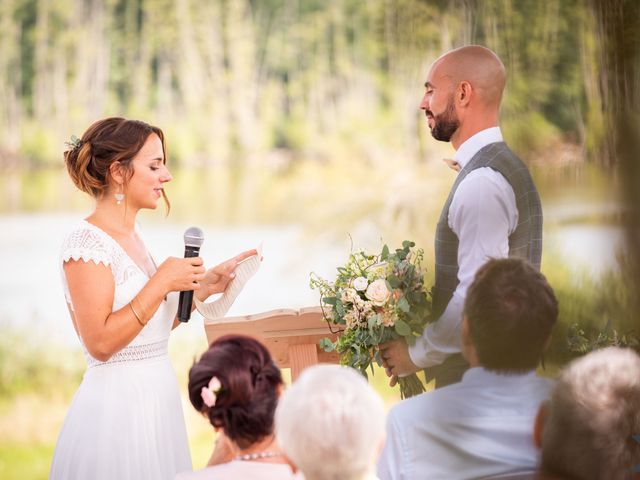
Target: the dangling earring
(119, 196)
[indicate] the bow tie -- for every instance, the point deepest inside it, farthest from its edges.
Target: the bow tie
(452, 164)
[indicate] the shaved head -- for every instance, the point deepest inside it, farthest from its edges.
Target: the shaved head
(478, 66)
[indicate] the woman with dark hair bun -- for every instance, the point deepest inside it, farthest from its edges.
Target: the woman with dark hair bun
(236, 385)
(125, 421)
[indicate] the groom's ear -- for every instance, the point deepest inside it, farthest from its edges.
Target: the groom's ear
(463, 93)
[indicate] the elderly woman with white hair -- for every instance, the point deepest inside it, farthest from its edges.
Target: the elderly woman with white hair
(331, 424)
(589, 429)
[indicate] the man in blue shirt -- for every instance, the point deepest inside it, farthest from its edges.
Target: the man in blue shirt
(482, 426)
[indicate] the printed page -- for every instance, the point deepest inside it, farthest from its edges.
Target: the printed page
(244, 271)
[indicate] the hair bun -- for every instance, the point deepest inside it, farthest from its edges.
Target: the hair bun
(245, 407)
(105, 142)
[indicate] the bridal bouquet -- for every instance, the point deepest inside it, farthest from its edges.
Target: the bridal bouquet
(374, 299)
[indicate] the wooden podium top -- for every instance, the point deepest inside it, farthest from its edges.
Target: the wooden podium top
(286, 333)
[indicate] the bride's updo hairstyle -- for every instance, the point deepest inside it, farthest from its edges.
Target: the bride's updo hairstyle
(110, 140)
(244, 397)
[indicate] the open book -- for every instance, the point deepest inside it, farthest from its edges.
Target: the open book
(244, 271)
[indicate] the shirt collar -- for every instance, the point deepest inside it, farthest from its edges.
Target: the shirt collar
(473, 144)
(480, 375)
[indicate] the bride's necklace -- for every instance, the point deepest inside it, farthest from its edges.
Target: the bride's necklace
(258, 455)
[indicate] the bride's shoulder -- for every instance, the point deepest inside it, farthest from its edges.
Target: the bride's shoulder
(86, 241)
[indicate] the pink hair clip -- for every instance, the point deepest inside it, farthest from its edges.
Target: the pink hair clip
(209, 393)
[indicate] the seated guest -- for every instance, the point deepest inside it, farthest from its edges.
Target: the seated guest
(330, 424)
(236, 385)
(587, 428)
(481, 426)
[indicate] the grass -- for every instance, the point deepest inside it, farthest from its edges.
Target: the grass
(25, 460)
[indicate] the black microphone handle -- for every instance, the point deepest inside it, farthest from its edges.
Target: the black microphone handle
(186, 296)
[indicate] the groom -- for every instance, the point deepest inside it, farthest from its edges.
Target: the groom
(493, 209)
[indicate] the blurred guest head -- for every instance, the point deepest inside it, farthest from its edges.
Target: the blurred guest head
(586, 430)
(236, 385)
(509, 313)
(331, 423)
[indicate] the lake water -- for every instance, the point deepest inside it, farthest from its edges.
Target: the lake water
(581, 233)
(31, 293)
(30, 287)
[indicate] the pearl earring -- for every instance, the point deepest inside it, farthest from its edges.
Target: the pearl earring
(119, 196)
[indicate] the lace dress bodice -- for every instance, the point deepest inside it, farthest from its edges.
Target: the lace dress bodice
(89, 243)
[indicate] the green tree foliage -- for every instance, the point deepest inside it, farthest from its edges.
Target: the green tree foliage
(229, 79)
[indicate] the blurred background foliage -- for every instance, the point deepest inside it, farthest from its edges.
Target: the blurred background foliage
(305, 113)
(302, 80)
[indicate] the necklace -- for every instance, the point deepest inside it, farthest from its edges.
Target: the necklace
(257, 456)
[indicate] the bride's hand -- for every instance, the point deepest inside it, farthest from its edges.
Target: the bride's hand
(217, 278)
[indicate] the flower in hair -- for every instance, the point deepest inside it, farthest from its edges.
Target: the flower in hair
(73, 143)
(209, 393)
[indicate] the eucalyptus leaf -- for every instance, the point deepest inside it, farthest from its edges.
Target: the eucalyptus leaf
(403, 304)
(377, 358)
(326, 345)
(402, 328)
(394, 282)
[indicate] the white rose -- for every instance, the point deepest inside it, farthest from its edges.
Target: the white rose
(360, 284)
(349, 295)
(378, 292)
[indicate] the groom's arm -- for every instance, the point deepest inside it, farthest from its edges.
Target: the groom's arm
(441, 338)
(483, 214)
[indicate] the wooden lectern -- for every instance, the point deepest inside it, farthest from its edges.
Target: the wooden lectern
(291, 336)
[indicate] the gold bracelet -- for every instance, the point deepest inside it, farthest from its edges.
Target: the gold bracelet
(136, 313)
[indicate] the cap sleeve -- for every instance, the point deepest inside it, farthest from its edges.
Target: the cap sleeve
(88, 245)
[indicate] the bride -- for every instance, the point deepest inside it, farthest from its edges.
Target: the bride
(125, 420)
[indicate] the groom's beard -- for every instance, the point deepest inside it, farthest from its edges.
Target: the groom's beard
(445, 124)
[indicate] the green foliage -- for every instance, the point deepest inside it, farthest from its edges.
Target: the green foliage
(592, 312)
(38, 365)
(232, 78)
(582, 342)
(20, 461)
(374, 299)
(40, 144)
(529, 132)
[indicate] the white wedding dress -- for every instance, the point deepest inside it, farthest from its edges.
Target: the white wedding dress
(125, 420)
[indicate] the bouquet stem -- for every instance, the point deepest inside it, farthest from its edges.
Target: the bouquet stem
(410, 386)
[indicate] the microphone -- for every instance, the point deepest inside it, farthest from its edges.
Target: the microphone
(193, 238)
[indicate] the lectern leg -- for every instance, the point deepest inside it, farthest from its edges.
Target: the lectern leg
(301, 357)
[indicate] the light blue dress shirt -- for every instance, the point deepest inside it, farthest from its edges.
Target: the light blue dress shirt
(480, 427)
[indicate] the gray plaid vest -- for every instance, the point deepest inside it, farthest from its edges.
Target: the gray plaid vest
(524, 242)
